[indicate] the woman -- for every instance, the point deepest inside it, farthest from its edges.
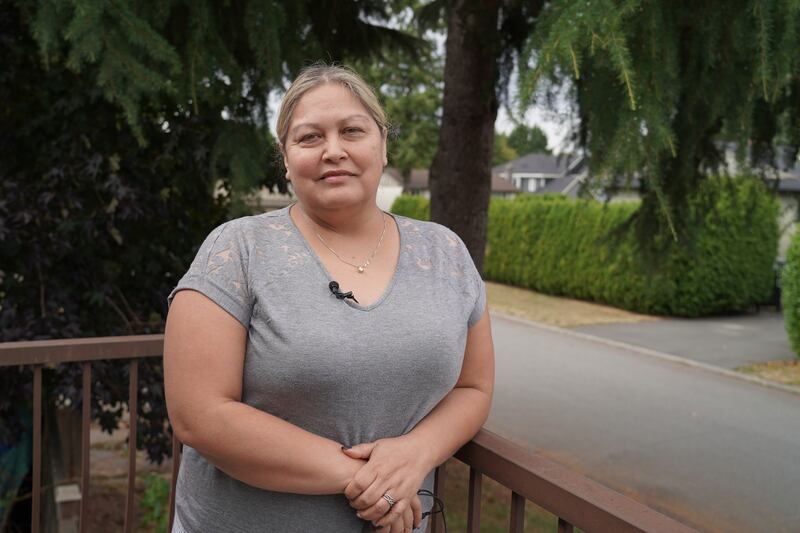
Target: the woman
(311, 406)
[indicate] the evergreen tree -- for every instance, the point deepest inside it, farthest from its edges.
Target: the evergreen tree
(118, 120)
(657, 83)
(210, 59)
(410, 88)
(528, 140)
(502, 151)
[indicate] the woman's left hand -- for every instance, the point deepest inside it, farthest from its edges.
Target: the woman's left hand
(395, 466)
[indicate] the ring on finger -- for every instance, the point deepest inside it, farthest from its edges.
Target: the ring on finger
(391, 501)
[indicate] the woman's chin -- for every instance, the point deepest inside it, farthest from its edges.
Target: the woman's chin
(340, 198)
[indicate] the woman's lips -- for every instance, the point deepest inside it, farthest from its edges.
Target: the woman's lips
(336, 176)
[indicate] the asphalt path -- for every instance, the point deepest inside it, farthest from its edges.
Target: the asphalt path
(713, 451)
(729, 341)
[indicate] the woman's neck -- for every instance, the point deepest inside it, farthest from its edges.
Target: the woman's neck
(350, 223)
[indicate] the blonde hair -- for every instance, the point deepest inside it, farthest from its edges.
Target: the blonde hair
(321, 74)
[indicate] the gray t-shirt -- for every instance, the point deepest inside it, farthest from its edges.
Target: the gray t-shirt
(341, 370)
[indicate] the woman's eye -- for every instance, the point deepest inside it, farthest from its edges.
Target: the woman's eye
(308, 138)
(353, 131)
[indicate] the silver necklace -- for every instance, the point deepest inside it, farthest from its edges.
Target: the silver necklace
(363, 266)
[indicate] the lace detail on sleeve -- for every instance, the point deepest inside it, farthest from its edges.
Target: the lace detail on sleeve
(277, 250)
(435, 247)
(219, 271)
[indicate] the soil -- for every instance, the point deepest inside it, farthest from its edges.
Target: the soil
(109, 482)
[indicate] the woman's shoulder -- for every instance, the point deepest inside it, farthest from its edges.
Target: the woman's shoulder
(436, 249)
(432, 234)
(255, 228)
(430, 243)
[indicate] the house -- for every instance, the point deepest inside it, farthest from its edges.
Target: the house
(418, 179)
(788, 191)
(539, 173)
(389, 188)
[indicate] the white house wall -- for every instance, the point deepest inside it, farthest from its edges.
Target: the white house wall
(387, 194)
(787, 223)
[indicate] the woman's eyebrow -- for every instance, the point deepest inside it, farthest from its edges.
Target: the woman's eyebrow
(358, 115)
(315, 125)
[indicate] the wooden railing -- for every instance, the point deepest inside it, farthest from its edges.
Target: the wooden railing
(573, 498)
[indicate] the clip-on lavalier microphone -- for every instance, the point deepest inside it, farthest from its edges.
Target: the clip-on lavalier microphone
(334, 287)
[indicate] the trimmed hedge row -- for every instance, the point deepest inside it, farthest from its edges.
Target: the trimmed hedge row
(790, 293)
(412, 206)
(584, 249)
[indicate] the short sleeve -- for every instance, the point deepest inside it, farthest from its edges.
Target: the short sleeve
(480, 304)
(470, 278)
(480, 289)
(219, 271)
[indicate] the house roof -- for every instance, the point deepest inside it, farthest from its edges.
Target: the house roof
(419, 177)
(393, 174)
(555, 165)
(564, 185)
(789, 185)
(500, 184)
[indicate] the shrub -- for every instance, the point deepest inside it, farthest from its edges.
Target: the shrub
(586, 249)
(155, 502)
(412, 206)
(790, 293)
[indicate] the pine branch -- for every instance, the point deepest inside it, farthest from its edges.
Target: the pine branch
(764, 28)
(622, 61)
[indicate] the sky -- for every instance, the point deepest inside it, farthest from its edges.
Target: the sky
(556, 123)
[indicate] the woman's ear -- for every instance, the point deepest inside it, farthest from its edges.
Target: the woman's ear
(285, 165)
(385, 139)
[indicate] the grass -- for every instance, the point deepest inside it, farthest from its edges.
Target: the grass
(554, 310)
(786, 372)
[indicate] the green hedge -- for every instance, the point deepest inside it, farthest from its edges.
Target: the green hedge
(790, 292)
(583, 249)
(412, 206)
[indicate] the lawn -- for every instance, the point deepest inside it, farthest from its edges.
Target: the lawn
(555, 310)
(786, 372)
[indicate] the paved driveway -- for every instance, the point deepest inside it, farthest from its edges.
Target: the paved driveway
(728, 342)
(715, 452)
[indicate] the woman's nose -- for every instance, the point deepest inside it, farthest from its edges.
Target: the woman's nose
(334, 151)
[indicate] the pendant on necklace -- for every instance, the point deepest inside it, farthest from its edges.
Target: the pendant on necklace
(361, 270)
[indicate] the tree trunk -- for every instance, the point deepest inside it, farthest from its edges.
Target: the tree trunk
(460, 177)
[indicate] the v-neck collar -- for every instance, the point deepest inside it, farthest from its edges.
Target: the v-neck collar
(328, 278)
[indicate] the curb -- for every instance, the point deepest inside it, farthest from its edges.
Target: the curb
(650, 353)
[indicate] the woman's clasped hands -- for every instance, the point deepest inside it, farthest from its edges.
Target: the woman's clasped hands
(384, 490)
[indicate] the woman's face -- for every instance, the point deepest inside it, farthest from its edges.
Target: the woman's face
(334, 151)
